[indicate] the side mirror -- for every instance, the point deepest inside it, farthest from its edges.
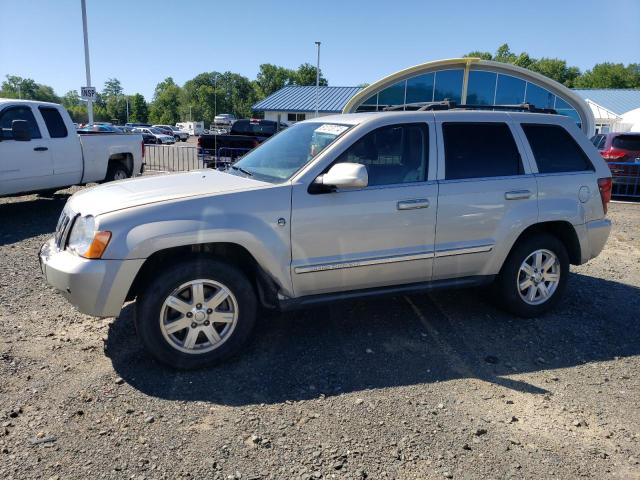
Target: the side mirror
(345, 176)
(20, 131)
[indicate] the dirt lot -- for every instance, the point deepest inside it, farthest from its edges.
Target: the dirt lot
(436, 386)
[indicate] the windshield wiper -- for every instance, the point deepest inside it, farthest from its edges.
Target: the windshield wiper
(240, 169)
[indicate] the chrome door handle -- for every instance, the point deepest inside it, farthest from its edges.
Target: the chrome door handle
(413, 204)
(517, 195)
(40, 149)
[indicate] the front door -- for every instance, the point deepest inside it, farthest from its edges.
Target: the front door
(378, 236)
(24, 165)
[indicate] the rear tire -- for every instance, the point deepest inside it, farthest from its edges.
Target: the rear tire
(116, 171)
(534, 276)
(186, 326)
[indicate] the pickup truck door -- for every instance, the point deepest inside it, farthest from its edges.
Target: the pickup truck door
(64, 145)
(381, 235)
(487, 196)
(24, 165)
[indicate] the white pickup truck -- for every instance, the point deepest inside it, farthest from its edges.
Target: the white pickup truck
(41, 151)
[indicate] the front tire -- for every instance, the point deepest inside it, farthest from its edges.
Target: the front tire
(534, 276)
(196, 313)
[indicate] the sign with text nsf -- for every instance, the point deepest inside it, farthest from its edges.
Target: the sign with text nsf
(88, 93)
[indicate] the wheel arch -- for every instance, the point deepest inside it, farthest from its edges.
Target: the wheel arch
(562, 230)
(232, 253)
(124, 159)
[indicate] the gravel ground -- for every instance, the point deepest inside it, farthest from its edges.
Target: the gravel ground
(435, 386)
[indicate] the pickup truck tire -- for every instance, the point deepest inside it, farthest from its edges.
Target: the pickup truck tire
(116, 171)
(196, 313)
(534, 276)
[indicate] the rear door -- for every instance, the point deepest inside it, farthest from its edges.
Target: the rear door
(487, 194)
(24, 166)
(66, 153)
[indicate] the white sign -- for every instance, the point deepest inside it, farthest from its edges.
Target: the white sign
(88, 93)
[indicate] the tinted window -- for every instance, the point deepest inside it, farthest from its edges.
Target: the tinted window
(54, 122)
(481, 88)
(448, 85)
(555, 150)
(539, 97)
(420, 88)
(18, 113)
(474, 150)
(245, 127)
(394, 154)
(509, 90)
(393, 95)
(626, 142)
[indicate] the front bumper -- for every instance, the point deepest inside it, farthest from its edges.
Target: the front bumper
(95, 287)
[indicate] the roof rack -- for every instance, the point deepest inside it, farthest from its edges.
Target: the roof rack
(451, 105)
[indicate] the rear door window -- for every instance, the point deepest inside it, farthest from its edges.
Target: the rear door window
(18, 113)
(476, 150)
(54, 122)
(555, 150)
(626, 142)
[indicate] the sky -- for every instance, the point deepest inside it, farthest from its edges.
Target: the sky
(142, 42)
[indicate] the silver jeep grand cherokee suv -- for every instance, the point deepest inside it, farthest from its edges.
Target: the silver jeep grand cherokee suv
(332, 208)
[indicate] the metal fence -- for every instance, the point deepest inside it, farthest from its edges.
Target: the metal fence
(174, 158)
(626, 179)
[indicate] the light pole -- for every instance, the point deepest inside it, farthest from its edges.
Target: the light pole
(318, 79)
(86, 58)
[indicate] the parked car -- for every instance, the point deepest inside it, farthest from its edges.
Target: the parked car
(333, 208)
(243, 136)
(133, 125)
(224, 120)
(175, 131)
(193, 128)
(40, 150)
(149, 139)
(618, 146)
(161, 137)
(99, 128)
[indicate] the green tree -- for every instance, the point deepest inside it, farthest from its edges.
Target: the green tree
(479, 54)
(165, 108)
(556, 69)
(26, 88)
(138, 109)
(610, 75)
(112, 88)
(271, 78)
(306, 75)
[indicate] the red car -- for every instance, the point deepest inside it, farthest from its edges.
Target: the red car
(618, 147)
(621, 151)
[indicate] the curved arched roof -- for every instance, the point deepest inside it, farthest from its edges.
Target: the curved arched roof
(472, 80)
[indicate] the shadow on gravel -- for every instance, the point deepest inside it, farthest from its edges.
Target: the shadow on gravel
(399, 341)
(29, 218)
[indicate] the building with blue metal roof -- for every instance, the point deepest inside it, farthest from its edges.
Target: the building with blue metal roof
(295, 103)
(614, 109)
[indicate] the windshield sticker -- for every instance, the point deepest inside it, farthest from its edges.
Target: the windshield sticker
(331, 129)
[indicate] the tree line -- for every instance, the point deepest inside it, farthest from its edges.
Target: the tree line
(227, 92)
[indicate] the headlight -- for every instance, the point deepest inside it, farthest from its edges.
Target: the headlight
(85, 241)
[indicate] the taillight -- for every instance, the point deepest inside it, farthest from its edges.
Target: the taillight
(200, 141)
(612, 154)
(605, 185)
(142, 143)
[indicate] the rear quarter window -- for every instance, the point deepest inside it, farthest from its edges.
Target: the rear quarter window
(54, 122)
(555, 150)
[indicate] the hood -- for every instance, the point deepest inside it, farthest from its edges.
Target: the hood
(157, 188)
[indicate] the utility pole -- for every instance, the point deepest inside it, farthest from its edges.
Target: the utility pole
(19, 92)
(318, 79)
(86, 58)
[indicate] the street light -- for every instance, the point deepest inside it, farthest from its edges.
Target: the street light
(86, 58)
(318, 79)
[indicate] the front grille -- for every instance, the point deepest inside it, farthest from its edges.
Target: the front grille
(62, 229)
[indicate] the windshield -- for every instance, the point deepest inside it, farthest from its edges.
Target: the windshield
(284, 154)
(157, 131)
